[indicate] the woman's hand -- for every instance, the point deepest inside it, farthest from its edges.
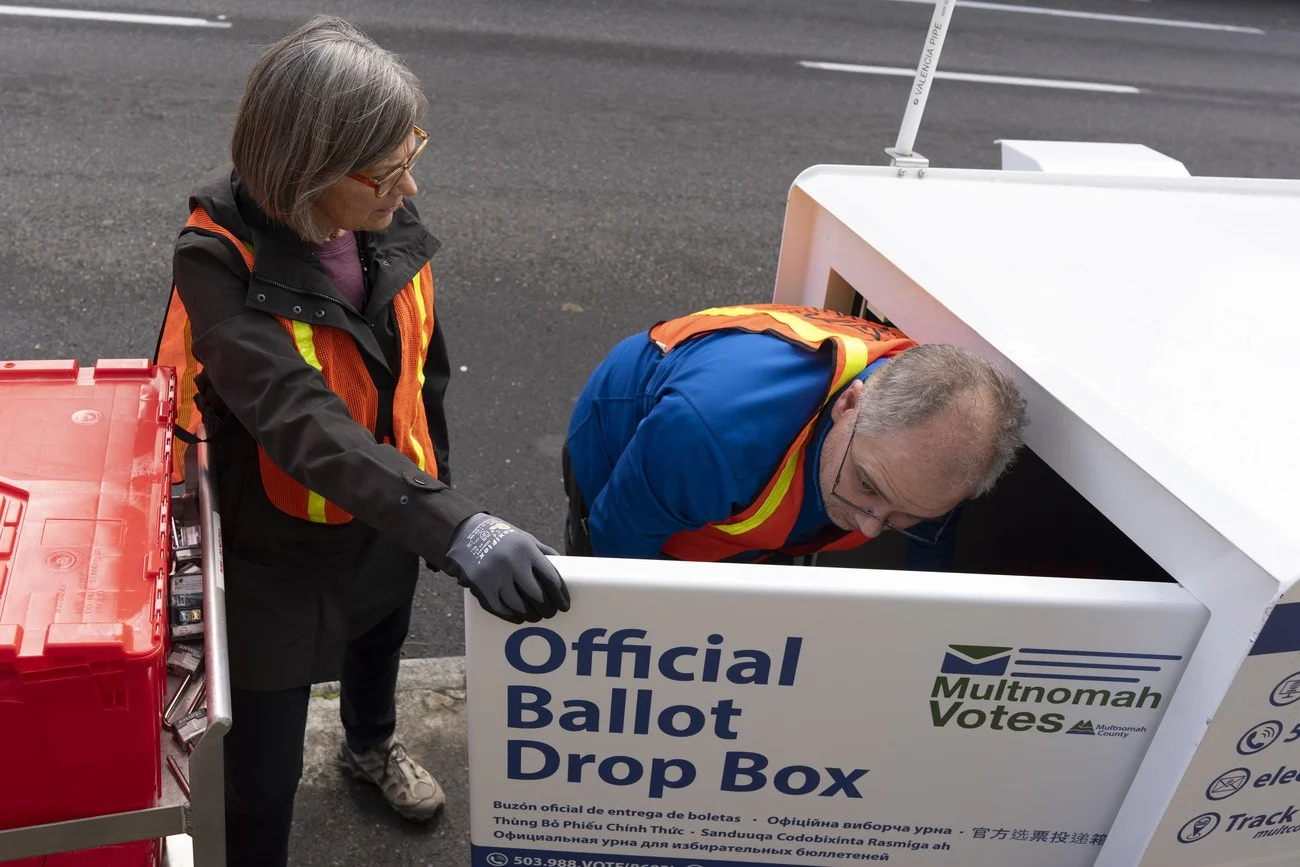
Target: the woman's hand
(506, 569)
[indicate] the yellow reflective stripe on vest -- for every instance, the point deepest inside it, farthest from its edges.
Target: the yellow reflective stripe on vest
(185, 375)
(855, 350)
(306, 343)
(418, 286)
(779, 490)
(302, 338)
(856, 354)
(809, 331)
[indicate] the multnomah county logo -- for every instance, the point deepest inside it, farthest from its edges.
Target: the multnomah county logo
(979, 686)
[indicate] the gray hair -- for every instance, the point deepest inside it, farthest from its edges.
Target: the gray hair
(322, 102)
(918, 385)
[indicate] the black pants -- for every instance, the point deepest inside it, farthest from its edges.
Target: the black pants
(577, 538)
(265, 744)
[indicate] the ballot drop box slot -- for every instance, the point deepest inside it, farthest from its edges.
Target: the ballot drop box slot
(84, 455)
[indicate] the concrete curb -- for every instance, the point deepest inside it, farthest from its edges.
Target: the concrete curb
(341, 822)
(445, 674)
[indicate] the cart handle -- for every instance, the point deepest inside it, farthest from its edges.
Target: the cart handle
(217, 662)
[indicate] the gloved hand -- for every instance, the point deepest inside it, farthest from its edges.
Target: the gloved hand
(505, 569)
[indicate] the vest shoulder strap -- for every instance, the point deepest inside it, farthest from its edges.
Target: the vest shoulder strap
(200, 219)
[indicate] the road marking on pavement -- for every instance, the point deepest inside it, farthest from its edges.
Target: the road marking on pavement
(1096, 16)
(1058, 84)
(121, 17)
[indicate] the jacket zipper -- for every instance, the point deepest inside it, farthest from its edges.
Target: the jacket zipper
(310, 293)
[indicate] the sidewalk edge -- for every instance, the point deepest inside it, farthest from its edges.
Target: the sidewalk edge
(436, 674)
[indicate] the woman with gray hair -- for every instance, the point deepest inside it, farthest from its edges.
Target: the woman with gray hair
(302, 326)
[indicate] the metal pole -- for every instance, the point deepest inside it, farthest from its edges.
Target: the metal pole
(217, 665)
(901, 153)
(207, 774)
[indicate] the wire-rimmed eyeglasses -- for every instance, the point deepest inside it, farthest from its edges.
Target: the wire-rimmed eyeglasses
(916, 534)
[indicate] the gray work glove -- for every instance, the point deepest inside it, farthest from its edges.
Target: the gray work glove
(506, 570)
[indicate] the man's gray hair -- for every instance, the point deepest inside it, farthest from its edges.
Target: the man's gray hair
(322, 102)
(918, 385)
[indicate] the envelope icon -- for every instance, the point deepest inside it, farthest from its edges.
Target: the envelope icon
(976, 659)
(1229, 783)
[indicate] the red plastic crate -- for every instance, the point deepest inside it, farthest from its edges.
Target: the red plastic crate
(146, 853)
(84, 496)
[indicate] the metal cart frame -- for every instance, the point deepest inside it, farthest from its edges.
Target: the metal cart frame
(200, 813)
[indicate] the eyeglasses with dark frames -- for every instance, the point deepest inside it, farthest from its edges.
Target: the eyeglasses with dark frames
(385, 185)
(862, 510)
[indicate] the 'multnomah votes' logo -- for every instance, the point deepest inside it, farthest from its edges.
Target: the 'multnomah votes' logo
(979, 685)
(976, 659)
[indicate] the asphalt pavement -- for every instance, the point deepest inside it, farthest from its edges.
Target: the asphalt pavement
(595, 167)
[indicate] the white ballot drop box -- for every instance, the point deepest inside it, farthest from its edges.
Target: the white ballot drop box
(1112, 677)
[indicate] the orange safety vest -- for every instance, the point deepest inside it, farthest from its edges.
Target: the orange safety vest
(765, 525)
(333, 352)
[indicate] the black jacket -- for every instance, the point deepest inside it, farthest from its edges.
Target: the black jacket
(297, 590)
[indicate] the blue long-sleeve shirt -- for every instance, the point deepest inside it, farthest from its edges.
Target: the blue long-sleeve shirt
(664, 443)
